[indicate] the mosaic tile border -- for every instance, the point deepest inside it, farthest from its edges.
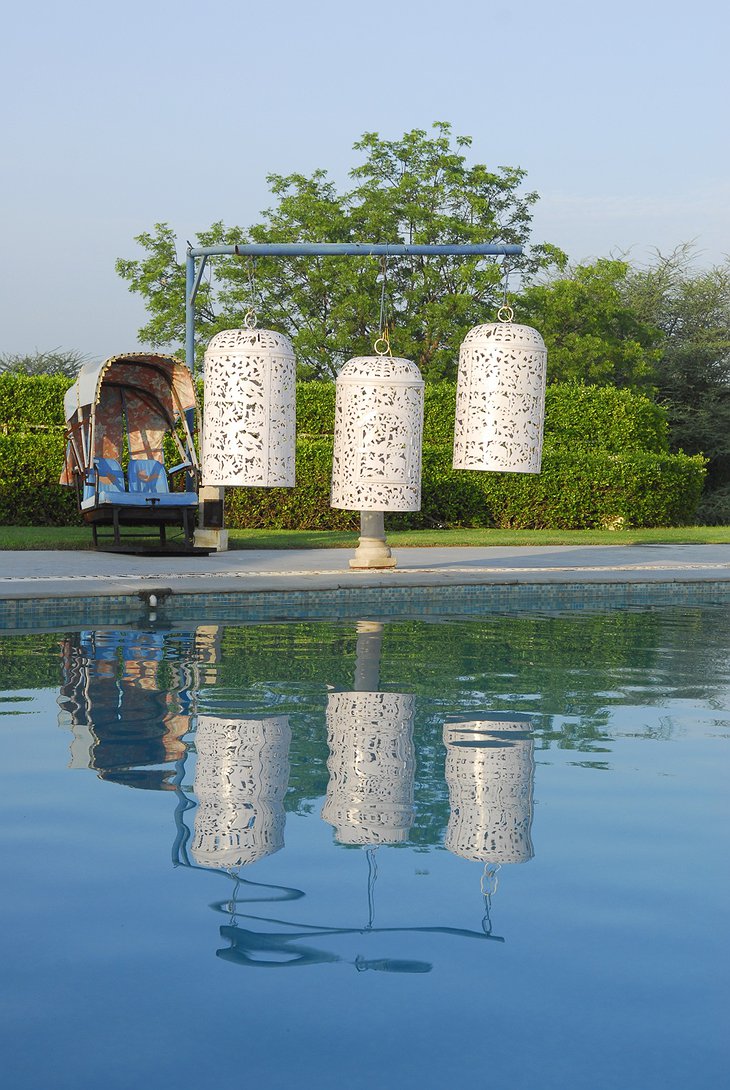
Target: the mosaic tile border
(46, 614)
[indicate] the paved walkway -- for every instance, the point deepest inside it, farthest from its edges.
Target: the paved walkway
(73, 574)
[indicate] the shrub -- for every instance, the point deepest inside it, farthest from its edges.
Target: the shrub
(605, 465)
(30, 465)
(604, 418)
(714, 508)
(31, 401)
(595, 490)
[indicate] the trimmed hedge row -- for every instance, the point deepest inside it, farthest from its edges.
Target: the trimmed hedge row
(31, 401)
(30, 495)
(593, 416)
(600, 417)
(597, 489)
(629, 481)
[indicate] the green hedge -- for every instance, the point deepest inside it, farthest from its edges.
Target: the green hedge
(597, 489)
(594, 416)
(31, 401)
(604, 418)
(599, 417)
(30, 495)
(604, 465)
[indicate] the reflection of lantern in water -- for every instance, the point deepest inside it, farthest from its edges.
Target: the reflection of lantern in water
(371, 767)
(489, 773)
(241, 777)
(378, 428)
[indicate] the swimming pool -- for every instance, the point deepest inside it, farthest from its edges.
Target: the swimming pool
(384, 852)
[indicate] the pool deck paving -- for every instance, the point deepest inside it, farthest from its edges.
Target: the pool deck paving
(69, 574)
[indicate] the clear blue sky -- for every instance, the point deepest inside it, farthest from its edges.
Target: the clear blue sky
(115, 117)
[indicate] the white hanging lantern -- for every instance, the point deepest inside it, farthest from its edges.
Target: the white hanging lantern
(241, 777)
(500, 398)
(371, 766)
(378, 435)
(249, 413)
(490, 771)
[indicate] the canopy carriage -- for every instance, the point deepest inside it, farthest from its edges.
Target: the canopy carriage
(120, 416)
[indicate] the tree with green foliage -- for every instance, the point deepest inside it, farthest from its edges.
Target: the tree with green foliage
(592, 332)
(417, 189)
(692, 376)
(57, 361)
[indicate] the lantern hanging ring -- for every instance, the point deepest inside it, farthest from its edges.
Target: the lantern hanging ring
(505, 312)
(250, 319)
(382, 344)
(490, 881)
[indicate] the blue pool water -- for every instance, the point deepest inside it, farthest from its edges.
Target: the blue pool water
(487, 851)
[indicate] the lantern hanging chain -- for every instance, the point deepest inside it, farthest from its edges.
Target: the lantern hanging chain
(372, 875)
(232, 903)
(250, 318)
(505, 312)
(489, 884)
(382, 344)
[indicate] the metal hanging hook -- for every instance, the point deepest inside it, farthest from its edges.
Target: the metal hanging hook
(250, 318)
(382, 343)
(489, 885)
(505, 312)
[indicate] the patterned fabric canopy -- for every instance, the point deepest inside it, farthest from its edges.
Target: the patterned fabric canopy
(146, 392)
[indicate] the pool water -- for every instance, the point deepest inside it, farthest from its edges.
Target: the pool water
(490, 851)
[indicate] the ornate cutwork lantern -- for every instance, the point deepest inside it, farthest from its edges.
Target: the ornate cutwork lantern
(241, 777)
(371, 766)
(249, 418)
(490, 771)
(378, 435)
(500, 398)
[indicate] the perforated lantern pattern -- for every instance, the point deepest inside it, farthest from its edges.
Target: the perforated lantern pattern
(241, 777)
(249, 414)
(376, 462)
(490, 772)
(371, 767)
(500, 399)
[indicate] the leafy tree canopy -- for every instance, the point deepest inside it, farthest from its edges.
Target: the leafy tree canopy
(56, 362)
(692, 309)
(592, 332)
(417, 189)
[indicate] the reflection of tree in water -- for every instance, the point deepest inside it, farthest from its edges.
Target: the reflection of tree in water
(569, 673)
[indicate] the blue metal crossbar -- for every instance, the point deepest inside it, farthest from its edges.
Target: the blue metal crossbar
(316, 249)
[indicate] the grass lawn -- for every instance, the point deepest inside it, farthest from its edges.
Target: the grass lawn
(79, 537)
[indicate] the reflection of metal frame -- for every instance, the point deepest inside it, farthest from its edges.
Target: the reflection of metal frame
(247, 945)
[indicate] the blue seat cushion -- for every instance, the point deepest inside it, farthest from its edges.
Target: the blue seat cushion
(147, 475)
(178, 499)
(121, 499)
(110, 477)
(139, 499)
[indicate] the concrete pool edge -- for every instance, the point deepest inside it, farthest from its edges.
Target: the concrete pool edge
(375, 600)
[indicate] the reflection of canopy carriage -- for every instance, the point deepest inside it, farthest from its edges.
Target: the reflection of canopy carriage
(119, 414)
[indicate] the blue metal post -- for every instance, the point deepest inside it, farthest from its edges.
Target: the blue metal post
(352, 249)
(190, 309)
